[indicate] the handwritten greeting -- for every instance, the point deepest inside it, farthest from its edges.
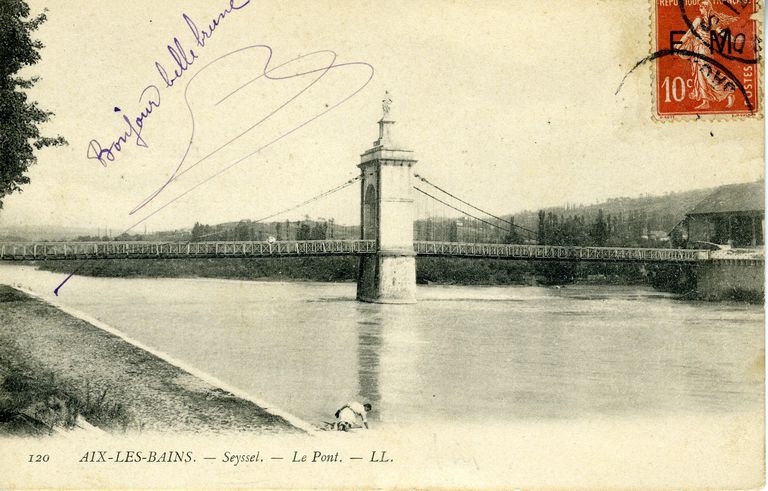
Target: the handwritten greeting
(183, 59)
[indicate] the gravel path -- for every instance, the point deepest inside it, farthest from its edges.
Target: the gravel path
(91, 363)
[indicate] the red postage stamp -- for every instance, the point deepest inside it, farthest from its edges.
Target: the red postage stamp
(707, 58)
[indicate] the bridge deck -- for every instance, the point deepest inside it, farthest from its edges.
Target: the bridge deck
(559, 253)
(169, 250)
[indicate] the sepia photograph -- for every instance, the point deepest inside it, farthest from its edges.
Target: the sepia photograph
(250, 244)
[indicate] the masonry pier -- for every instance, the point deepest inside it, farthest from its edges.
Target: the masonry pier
(386, 214)
(730, 279)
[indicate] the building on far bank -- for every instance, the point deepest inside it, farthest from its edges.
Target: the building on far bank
(733, 215)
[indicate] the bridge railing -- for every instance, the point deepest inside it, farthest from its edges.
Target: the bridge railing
(72, 250)
(76, 250)
(563, 253)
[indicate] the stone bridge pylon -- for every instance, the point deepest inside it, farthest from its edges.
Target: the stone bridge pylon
(386, 216)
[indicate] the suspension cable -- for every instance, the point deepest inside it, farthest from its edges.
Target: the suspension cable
(293, 207)
(310, 200)
(459, 210)
(424, 179)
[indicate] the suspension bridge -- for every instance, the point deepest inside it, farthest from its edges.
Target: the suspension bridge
(331, 247)
(402, 215)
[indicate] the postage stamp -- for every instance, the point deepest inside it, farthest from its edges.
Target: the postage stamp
(707, 58)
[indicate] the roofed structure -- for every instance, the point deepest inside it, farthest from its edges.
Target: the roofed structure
(733, 215)
(733, 198)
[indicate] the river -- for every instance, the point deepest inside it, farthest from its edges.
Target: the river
(472, 354)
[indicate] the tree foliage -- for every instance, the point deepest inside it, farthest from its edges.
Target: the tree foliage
(633, 229)
(19, 117)
(248, 230)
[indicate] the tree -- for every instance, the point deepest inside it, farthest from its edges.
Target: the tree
(197, 232)
(542, 230)
(242, 231)
(599, 230)
(453, 232)
(19, 117)
(513, 236)
(319, 231)
(304, 231)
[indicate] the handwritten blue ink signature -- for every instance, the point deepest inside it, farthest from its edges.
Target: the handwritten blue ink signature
(183, 59)
(104, 155)
(265, 71)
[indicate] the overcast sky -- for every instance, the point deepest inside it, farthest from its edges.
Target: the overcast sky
(510, 105)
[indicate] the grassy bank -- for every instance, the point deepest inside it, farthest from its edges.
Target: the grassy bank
(56, 370)
(455, 271)
(307, 268)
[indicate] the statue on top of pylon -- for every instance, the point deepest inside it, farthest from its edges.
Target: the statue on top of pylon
(386, 103)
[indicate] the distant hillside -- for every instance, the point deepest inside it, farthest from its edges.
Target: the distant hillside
(43, 232)
(656, 212)
(641, 221)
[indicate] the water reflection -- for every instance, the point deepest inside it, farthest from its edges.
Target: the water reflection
(389, 350)
(369, 345)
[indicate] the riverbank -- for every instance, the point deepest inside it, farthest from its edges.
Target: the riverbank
(57, 370)
(429, 270)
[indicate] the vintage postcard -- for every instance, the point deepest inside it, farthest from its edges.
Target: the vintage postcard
(336, 244)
